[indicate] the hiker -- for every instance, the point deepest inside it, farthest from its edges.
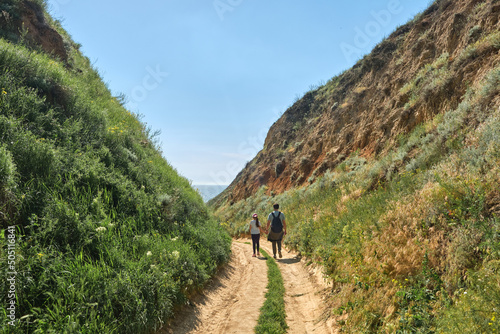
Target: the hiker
(278, 228)
(255, 229)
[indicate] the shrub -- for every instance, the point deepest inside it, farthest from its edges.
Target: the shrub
(475, 309)
(7, 169)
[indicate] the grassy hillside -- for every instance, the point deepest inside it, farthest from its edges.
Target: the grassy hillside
(108, 237)
(409, 236)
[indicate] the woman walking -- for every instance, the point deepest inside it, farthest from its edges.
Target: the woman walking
(255, 229)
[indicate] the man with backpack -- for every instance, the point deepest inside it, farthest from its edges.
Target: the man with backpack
(278, 228)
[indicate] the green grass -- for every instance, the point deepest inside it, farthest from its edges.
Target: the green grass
(272, 319)
(431, 78)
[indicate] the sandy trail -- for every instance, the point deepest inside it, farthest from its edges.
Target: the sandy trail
(232, 301)
(304, 290)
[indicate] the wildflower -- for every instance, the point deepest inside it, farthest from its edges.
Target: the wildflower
(100, 229)
(149, 253)
(175, 254)
(152, 266)
(4, 92)
(111, 225)
(174, 239)
(150, 161)
(40, 254)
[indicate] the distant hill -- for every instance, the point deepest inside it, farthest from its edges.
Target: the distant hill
(208, 192)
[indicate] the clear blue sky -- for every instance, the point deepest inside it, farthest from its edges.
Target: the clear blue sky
(214, 75)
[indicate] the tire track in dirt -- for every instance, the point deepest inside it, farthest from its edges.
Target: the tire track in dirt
(304, 303)
(231, 303)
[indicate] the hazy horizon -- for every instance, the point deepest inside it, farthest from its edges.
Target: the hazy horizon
(208, 192)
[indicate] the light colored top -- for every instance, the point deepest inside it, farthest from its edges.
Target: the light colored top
(275, 213)
(253, 227)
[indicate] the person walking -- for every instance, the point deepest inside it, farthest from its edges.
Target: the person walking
(278, 229)
(255, 229)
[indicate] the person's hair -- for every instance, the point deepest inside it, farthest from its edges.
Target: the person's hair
(276, 206)
(257, 221)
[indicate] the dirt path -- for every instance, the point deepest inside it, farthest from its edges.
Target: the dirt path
(304, 305)
(232, 301)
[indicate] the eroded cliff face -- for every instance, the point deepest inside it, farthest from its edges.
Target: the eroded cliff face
(26, 20)
(422, 69)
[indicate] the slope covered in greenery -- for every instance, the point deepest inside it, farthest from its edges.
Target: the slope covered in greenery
(108, 237)
(408, 236)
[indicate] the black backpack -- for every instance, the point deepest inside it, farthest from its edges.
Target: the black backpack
(276, 224)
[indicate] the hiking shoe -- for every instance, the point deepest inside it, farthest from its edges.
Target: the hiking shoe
(253, 255)
(258, 254)
(274, 255)
(280, 255)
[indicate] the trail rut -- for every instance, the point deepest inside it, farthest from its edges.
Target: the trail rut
(304, 304)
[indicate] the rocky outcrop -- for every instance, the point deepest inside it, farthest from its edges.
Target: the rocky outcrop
(26, 21)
